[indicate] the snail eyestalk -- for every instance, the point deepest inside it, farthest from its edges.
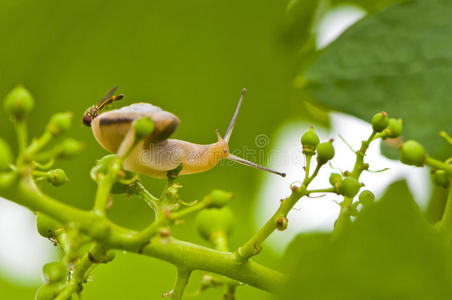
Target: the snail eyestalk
(227, 136)
(251, 164)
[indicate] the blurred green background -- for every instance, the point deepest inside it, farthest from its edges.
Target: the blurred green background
(192, 58)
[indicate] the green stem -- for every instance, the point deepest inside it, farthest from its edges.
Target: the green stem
(22, 138)
(344, 219)
(38, 144)
(112, 236)
(80, 272)
(253, 246)
(144, 236)
(219, 240)
(189, 210)
(446, 136)
(326, 190)
(307, 167)
(195, 257)
(436, 164)
(183, 275)
(40, 174)
(446, 221)
(308, 180)
(163, 196)
(105, 183)
(144, 194)
(163, 219)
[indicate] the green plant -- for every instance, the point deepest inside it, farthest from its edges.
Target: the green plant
(89, 238)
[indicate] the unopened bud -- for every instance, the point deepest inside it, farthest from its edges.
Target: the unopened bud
(143, 128)
(60, 123)
(218, 198)
(19, 103)
(57, 177)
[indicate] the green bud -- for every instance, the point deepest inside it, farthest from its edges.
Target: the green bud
(18, 103)
(350, 187)
(218, 198)
(6, 156)
(335, 178)
(366, 198)
(380, 121)
(394, 128)
(60, 123)
(69, 148)
(215, 220)
(412, 153)
(54, 272)
(441, 178)
(48, 291)
(57, 177)
(325, 152)
(103, 163)
(309, 140)
(46, 225)
(143, 127)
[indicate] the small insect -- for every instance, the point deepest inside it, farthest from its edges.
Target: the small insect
(92, 112)
(157, 154)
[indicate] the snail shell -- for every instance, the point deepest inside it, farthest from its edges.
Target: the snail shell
(110, 128)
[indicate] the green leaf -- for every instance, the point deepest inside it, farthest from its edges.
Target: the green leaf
(398, 60)
(369, 5)
(390, 252)
(302, 246)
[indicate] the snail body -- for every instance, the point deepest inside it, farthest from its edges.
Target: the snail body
(157, 154)
(156, 159)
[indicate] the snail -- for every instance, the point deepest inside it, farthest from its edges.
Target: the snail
(157, 154)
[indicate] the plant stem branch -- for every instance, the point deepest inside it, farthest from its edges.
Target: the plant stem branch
(80, 272)
(195, 257)
(220, 242)
(105, 183)
(308, 166)
(344, 219)
(22, 138)
(38, 144)
(144, 194)
(326, 190)
(308, 180)
(446, 221)
(188, 210)
(112, 236)
(436, 164)
(254, 245)
(183, 275)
